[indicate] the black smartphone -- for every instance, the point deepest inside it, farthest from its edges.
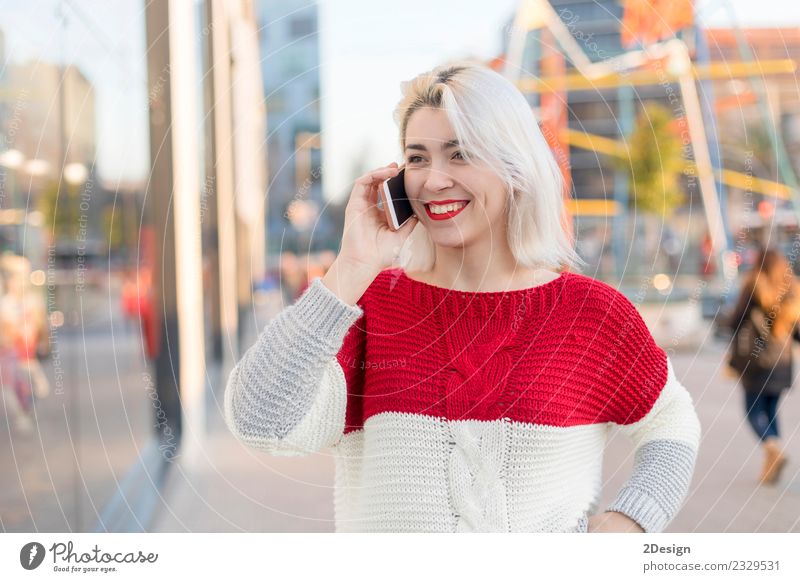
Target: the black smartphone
(396, 204)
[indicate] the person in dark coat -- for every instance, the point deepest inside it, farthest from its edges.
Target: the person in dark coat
(764, 323)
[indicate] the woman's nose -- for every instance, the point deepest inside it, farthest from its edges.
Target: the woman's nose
(437, 180)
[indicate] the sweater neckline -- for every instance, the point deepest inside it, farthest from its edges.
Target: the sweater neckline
(485, 294)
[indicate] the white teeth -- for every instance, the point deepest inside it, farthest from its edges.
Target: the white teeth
(443, 209)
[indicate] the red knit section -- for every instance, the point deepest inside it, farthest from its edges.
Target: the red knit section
(573, 351)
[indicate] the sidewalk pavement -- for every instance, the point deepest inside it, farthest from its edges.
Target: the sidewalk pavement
(234, 488)
(87, 432)
(241, 489)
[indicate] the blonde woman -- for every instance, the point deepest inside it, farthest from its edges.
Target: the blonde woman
(765, 322)
(463, 378)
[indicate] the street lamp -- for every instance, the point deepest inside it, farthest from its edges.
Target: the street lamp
(75, 173)
(37, 168)
(12, 159)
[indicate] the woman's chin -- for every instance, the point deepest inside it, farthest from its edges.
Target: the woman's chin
(454, 242)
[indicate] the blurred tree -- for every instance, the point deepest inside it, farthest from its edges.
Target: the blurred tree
(63, 216)
(113, 228)
(750, 140)
(60, 215)
(763, 146)
(654, 164)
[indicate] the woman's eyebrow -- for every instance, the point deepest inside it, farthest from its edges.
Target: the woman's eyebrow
(448, 144)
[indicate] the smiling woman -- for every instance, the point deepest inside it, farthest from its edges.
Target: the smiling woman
(497, 417)
(467, 134)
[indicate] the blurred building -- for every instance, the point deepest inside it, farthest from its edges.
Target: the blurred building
(607, 231)
(289, 37)
(760, 44)
(46, 122)
(3, 92)
(32, 90)
(744, 126)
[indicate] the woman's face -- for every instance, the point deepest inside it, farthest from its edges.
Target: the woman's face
(435, 171)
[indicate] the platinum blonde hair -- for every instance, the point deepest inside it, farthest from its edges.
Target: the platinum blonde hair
(496, 126)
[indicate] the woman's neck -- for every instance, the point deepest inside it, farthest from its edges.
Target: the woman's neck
(484, 276)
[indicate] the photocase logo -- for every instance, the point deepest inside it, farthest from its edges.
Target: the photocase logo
(31, 555)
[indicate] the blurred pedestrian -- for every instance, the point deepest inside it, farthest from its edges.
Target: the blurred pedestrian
(764, 322)
(707, 265)
(23, 311)
(129, 298)
(291, 276)
(14, 393)
(147, 315)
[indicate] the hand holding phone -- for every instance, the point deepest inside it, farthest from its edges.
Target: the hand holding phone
(395, 202)
(369, 241)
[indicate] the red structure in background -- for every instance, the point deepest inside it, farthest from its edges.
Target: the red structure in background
(646, 22)
(553, 119)
(553, 110)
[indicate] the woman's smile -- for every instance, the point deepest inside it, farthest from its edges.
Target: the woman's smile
(445, 209)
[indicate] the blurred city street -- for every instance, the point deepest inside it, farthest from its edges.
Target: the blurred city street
(59, 476)
(173, 174)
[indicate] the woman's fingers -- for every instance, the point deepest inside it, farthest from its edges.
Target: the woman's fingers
(380, 174)
(366, 187)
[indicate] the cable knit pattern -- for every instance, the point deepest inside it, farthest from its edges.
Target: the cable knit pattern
(476, 474)
(459, 411)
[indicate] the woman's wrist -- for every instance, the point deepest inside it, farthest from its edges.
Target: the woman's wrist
(349, 280)
(613, 522)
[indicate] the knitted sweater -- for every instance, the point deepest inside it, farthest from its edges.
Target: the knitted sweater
(456, 411)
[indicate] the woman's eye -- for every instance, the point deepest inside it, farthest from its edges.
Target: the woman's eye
(414, 159)
(459, 154)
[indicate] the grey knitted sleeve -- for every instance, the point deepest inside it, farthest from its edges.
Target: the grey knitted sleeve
(287, 395)
(666, 442)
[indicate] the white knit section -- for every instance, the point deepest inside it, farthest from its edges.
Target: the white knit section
(477, 461)
(416, 473)
(672, 417)
(320, 428)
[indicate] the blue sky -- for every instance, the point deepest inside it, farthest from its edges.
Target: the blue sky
(368, 48)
